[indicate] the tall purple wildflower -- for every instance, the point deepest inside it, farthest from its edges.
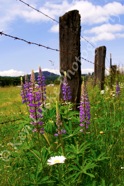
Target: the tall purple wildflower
(42, 86)
(24, 89)
(84, 110)
(117, 89)
(66, 91)
(60, 129)
(33, 99)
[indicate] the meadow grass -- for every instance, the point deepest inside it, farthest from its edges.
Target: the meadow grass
(102, 148)
(11, 107)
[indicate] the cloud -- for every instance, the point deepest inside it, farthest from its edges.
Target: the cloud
(83, 70)
(106, 32)
(55, 28)
(55, 71)
(91, 14)
(11, 72)
(15, 73)
(106, 28)
(11, 11)
(107, 15)
(87, 70)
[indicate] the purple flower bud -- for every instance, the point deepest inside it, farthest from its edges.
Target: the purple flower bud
(84, 109)
(56, 134)
(63, 131)
(66, 91)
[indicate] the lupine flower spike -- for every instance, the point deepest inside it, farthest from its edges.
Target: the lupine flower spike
(84, 110)
(24, 89)
(42, 86)
(59, 130)
(117, 89)
(66, 91)
(33, 99)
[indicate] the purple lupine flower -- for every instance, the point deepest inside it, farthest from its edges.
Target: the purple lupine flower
(117, 89)
(42, 86)
(66, 91)
(24, 89)
(84, 110)
(59, 129)
(33, 99)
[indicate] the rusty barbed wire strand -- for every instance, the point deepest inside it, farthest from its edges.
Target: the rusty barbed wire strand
(28, 42)
(39, 11)
(39, 45)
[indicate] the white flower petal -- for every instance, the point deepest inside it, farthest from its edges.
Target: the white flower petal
(56, 160)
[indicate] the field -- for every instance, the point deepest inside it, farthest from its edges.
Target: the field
(93, 158)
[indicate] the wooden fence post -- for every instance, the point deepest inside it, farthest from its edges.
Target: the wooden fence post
(113, 74)
(69, 27)
(99, 66)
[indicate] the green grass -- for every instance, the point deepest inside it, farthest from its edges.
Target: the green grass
(23, 154)
(11, 107)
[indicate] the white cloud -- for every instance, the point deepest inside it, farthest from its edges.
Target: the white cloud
(90, 14)
(55, 28)
(103, 36)
(15, 73)
(55, 71)
(106, 32)
(11, 72)
(11, 11)
(87, 70)
(106, 28)
(83, 70)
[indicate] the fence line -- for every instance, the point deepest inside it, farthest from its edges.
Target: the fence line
(41, 45)
(52, 19)
(39, 11)
(28, 42)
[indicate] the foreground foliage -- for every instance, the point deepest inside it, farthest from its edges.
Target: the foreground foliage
(94, 158)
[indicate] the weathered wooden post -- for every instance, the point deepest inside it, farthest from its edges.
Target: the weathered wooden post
(113, 72)
(110, 71)
(99, 67)
(70, 53)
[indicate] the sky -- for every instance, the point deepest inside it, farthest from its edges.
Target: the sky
(102, 23)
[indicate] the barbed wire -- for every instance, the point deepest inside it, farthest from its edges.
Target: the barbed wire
(39, 11)
(28, 42)
(46, 47)
(39, 45)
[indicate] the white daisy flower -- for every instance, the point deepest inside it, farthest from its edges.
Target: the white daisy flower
(102, 92)
(55, 160)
